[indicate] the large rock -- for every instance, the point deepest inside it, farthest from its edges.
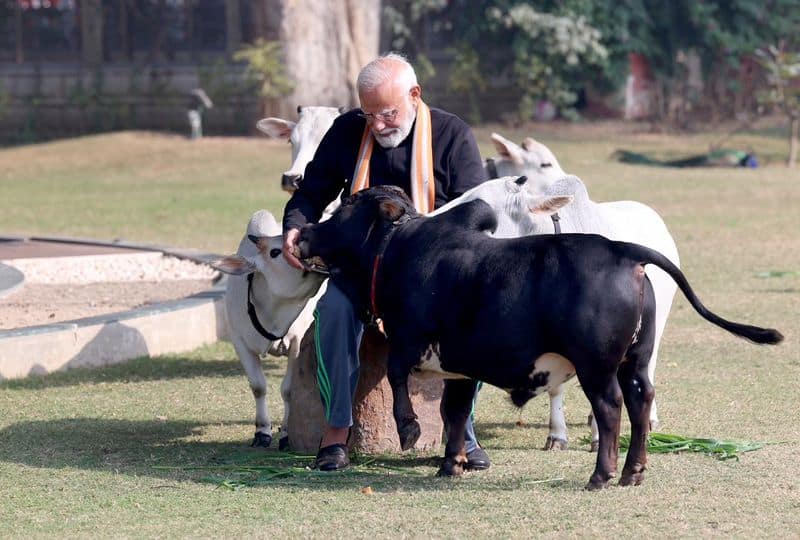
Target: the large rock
(374, 429)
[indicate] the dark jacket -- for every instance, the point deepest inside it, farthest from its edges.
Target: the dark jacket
(457, 165)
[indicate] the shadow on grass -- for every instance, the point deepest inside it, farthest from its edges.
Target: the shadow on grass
(166, 450)
(142, 369)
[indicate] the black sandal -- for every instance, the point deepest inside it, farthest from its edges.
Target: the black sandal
(332, 458)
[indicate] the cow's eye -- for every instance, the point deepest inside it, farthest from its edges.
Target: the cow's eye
(274, 252)
(546, 165)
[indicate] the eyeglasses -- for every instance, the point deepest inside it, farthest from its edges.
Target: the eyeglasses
(386, 116)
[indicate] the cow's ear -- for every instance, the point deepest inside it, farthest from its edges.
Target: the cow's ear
(234, 265)
(391, 211)
(549, 205)
(261, 242)
(529, 143)
(277, 128)
(508, 149)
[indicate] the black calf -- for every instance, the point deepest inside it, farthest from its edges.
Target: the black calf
(522, 314)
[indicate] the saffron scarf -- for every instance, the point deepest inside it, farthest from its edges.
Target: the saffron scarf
(422, 182)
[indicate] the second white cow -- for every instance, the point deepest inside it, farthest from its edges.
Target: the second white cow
(629, 221)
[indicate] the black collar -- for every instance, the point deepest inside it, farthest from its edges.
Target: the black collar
(372, 310)
(251, 311)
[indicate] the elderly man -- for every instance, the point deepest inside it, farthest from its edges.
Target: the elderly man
(430, 154)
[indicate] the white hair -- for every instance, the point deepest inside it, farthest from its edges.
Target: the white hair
(379, 71)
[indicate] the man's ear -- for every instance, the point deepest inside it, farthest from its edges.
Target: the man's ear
(416, 92)
(391, 211)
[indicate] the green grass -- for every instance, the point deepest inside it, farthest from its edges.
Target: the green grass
(149, 448)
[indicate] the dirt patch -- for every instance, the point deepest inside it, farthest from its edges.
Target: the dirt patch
(36, 303)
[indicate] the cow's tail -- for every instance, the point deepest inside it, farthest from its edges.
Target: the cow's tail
(756, 334)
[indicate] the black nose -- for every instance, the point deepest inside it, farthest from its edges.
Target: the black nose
(289, 182)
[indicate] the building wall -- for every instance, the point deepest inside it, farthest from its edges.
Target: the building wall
(39, 102)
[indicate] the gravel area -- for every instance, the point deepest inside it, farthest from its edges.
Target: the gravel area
(63, 289)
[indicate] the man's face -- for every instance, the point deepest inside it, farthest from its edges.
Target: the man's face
(390, 111)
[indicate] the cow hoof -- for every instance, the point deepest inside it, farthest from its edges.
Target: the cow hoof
(633, 476)
(599, 481)
(451, 467)
(261, 440)
(283, 443)
(594, 446)
(595, 486)
(409, 434)
(633, 479)
(555, 443)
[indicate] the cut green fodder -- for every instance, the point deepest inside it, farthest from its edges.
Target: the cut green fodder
(665, 443)
(251, 469)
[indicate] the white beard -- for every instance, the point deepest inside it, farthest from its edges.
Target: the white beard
(392, 137)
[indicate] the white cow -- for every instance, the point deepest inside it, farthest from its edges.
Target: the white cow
(280, 297)
(282, 310)
(628, 221)
(304, 135)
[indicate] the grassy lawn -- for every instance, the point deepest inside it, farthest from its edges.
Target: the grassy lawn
(126, 451)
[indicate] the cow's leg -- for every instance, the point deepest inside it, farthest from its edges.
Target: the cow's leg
(286, 391)
(605, 395)
(638, 394)
(664, 293)
(651, 372)
(258, 384)
(398, 368)
(455, 407)
(557, 438)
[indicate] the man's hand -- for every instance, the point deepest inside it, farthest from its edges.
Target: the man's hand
(290, 249)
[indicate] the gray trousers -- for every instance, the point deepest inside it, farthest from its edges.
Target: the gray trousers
(337, 336)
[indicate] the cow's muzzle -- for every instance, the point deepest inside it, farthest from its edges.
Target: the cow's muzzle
(310, 263)
(290, 181)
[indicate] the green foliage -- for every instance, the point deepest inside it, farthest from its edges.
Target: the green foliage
(550, 49)
(214, 80)
(783, 76)
(466, 78)
(265, 65)
(550, 54)
(666, 443)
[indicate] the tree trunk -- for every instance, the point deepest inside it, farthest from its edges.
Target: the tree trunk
(374, 430)
(793, 140)
(325, 45)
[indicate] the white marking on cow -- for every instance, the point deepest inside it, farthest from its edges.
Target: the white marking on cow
(430, 366)
(557, 368)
